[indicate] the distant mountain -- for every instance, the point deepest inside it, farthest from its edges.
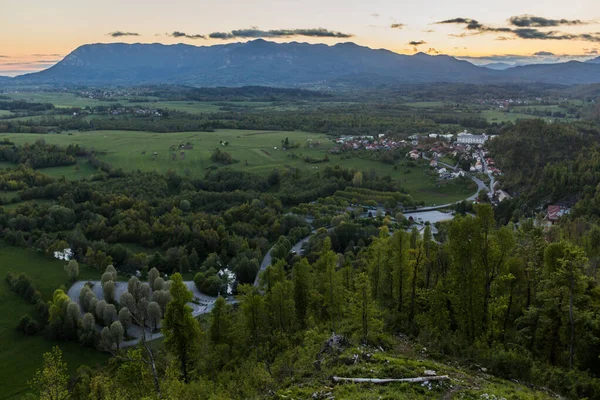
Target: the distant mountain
(5, 78)
(594, 60)
(260, 62)
(499, 66)
(567, 73)
(253, 63)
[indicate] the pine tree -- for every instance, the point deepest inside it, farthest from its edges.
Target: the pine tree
(182, 331)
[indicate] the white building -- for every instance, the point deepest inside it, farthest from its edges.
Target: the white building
(471, 139)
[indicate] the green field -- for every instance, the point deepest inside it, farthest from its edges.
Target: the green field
(5, 113)
(59, 99)
(21, 356)
(501, 116)
(426, 104)
(192, 107)
(256, 151)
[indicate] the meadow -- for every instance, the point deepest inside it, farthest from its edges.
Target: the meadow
(68, 99)
(20, 355)
(255, 151)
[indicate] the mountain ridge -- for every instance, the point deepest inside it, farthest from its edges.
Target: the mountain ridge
(293, 64)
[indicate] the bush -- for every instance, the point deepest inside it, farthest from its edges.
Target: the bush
(510, 364)
(23, 285)
(28, 326)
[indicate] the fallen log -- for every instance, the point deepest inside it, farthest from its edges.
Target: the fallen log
(383, 381)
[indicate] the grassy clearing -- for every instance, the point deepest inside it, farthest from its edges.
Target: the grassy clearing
(396, 364)
(426, 104)
(21, 356)
(5, 113)
(7, 164)
(256, 151)
(81, 170)
(59, 99)
(501, 116)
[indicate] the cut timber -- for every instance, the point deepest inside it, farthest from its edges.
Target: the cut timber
(382, 381)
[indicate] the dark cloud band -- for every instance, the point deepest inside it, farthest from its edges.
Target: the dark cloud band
(523, 21)
(178, 34)
(121, 34)
(474, 27)
(277, 33)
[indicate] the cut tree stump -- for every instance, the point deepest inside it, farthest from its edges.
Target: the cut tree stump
(383, 381)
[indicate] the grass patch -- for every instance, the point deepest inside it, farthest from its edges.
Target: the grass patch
(21, 356)
(81, 170)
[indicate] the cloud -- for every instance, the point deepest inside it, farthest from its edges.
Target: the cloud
(432, 51)
(46, 55)
(4, 56)
(221, 35)
(178, 34)
(428, 31)
(116, 34)
(529, 33)
(278, 33)
(397, 26)
(593, 51)
(473, 25)
(523, 21)
(543, 53)
(504, 38)
(375, 15)
(417, 42)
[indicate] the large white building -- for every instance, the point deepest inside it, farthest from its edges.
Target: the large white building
(471, 139)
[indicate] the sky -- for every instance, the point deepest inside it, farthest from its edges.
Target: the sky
(35, 34)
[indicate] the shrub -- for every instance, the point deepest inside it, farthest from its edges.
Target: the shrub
(28, 325)
(510, 364)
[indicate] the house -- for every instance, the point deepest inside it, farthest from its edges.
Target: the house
(501, 195)
(414, 154)
(442, 171)
(433, 163)
(555, 213)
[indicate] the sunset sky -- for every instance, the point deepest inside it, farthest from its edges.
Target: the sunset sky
(35, 34)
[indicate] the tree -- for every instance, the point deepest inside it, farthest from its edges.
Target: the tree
(182, 331)
(87, 337)
(162, 297)
(301, 281)
(72, 270)
(109, 314)
(110, 269)
(128, 301)
(116, 332)
(159, 284)
(220, 321)
(154, 314)
(252, 305)
(363, 311)
(153, 275)
(107, 342)
(124, 317)
(51, 381)
(281, 305)
(109, 291)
